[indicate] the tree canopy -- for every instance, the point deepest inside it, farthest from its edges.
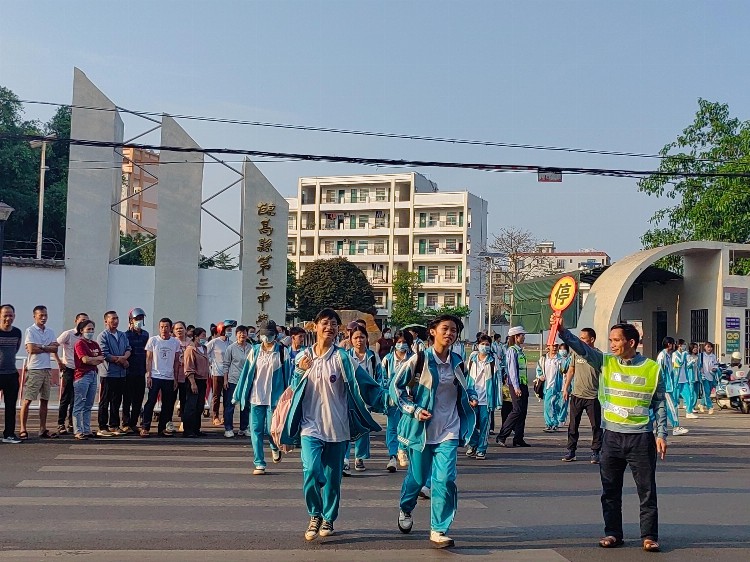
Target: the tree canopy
(336, 283)
(405, 287)
(706, 208)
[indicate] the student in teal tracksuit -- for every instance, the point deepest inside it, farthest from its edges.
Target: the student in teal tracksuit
(483, 377)
(366, 358)
(401, 352)
(329, 408)
(265, 375)
(565, 361)
(437, 409)
(666, 373)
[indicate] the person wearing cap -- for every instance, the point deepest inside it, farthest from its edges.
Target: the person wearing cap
(329, 407)
(632, 394)
(265, 375)
(515, 363)
(437, 403)
(135, 379)
(216, 349)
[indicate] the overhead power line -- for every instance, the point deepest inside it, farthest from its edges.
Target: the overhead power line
(386, 161)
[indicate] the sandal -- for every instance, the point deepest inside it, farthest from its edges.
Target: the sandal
(80, 437)
(611, 542)
(144, 433)
(651, 546)
(47, 435)
(23, 436)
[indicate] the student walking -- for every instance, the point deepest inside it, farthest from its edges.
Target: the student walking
(392, 363)
(666, 373)
(234, 360)
(437, 404)
(87, 355)
(483, 379)
(687, 389)
(328, 409)
(708, 376)
(549, 372)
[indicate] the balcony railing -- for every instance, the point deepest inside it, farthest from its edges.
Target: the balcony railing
(437, 224)
(358, 226)
(438, 251)
(441, 279)
(349, 199)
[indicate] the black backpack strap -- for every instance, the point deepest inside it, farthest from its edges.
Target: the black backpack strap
(372, 361)
(418, 368)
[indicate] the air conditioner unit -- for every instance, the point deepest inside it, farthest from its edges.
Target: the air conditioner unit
(136, 216)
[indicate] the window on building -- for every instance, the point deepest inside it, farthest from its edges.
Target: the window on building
(379, 247)
(434, 220)
(699, 325)
(432, 245)
(330, 195)
(381, 220)
(379, 299)
(362, 247)
(364, 194)
(450, 273)
(292, 222)
(290, 247)
(451, 218)
(363, 220)
(449, 299)
(328, 247)
(381, 194)
(432, 273)
(432, 300)
(451, 245)
(560, 264)
(420, 301)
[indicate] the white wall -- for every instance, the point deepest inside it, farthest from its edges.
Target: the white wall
(27, 287)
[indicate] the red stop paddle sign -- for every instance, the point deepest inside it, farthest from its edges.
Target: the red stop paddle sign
(560, 298)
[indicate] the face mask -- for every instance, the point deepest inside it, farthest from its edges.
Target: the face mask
(229, 335)
(387, 335)
(563, 353)
(266, 339)
(403, 346)
(88, 335)
(252, 337)
(138, 324)
(683, 348)
(483, 349)
(202, 341)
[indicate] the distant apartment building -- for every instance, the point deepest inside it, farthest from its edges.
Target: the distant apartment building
(139, 204)
(384, 223)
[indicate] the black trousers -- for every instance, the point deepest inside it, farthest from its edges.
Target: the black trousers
(192, 408)
(66, 398)
(181, 389)
(516, 420)
(9, 385)
(168, 393)
(110, 400)
(505, 411)
(576, 407)
(639, 451)
(132, 400)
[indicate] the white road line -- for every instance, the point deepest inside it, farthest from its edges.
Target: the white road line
(261, 484)
(172, 470)
(247, 458)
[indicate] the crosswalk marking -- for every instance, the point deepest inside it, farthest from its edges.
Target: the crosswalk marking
(177, 458)
(169, 469)
(258, 484)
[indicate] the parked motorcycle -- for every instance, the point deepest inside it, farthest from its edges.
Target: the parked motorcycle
(733, 390)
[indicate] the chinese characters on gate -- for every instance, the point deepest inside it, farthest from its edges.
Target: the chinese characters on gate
(264, 256)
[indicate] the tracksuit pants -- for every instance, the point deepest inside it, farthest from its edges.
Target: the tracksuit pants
(594, 412)
(685, 390)
(260, 426)
(322, 466)
(391, 431)
(361, 447)
(552, 403)
(65, 413)
(481, 430)
(639, 451)
(85, 393)
(132, 400)
(708, 386)
(110, 400)
(672, 415)
(437, 463)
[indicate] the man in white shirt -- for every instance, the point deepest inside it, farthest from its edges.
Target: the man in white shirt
(215, 350)
(162, 352)
(67, 365)
(40, 344)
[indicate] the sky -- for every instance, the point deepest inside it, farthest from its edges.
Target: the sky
(620, 76)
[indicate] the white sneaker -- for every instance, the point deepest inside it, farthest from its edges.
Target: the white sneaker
(391, 466)
(680, 431)
(346, 471)
(170, 427)
(424, 493)
(710, 411)
(701, 408)
(691, 415)
(276, 456)
(229, 434)
(403, 458)
(259, 470)
(405, 522)
(441, 540)
(12, 440)
(241, 433)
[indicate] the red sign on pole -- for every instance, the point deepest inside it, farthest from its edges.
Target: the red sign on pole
(560, 298)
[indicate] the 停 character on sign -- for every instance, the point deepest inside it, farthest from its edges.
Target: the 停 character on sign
(562, 294)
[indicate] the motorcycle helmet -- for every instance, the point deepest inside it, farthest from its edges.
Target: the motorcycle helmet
(136, 312)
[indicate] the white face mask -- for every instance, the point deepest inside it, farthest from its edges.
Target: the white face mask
(266, 339)
(138, 324)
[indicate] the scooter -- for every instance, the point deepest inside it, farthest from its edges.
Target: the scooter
(733, 390)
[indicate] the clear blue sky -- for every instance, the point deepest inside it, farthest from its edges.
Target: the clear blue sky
(620, 76)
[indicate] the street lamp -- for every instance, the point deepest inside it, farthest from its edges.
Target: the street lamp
(42, 168)
(5, 211)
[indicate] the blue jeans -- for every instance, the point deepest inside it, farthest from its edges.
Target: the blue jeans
(481, 429)
(260, 426)
(322, 463)
(229, 411)
(84, 392)
(438, 462)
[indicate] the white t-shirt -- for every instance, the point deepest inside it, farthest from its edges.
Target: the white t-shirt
(164, 351)
(325, 405)
(215, 350)
(551, 370)
(481, 372)
(68, 341)
(265, 365)
(709, 364)
(444, 424)
(34, 334)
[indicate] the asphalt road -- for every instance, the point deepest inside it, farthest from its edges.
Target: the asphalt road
(172, 499)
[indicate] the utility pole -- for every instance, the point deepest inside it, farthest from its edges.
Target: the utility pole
(42, 170)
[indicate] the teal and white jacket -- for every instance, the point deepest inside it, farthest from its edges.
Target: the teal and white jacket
(390, 367)
(494, 394)
(371, 363)
(414, 392)
(666, 370)
(280, 379)
(362, 390)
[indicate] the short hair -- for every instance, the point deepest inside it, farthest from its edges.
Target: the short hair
(361, 322)
(479, 335)
(296, 330)
(680, 342)
(190, 327)
(179, 322)
(81, 314)
(197, 331)
(447, 318)
(241, 328)
(708, 343)
(484, 338)
(253, 328)
(328, 314)
(39, 308)
(167, 320)
(497, 337)
(564, 345)
(694, 344)
(405, 334)
(109, 313)
(590, 332)
(13, 308)
(82, 325)
(669, 340)
(360, 329)
(629, 331)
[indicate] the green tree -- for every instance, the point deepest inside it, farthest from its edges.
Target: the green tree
(706, 208)
(291, 284)
(336, 283)
(145, 255)
(56, 178)
(460, 311)
(406, 285)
